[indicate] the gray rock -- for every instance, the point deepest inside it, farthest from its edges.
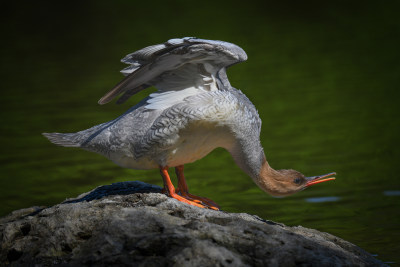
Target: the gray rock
(131, 223)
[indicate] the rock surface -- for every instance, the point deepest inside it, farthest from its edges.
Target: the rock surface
(131, 223)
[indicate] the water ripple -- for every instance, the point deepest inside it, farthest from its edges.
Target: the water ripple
(392, 193)
(322, 199)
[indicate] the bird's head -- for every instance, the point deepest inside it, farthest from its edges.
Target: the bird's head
(288, 182)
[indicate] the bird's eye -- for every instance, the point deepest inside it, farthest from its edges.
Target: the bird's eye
(297, 180)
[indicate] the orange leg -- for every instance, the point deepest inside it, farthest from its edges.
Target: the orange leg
(170, 189)
(183, 189)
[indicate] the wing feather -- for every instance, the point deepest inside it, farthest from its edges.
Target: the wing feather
(177, 64)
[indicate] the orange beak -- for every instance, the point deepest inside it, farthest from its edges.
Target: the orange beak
(319, 179)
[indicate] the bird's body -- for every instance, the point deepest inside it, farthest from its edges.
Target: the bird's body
(195, 111)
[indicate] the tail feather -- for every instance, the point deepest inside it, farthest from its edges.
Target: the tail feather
(78, 139)
(64, 139)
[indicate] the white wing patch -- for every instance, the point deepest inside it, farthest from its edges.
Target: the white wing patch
(167, 99)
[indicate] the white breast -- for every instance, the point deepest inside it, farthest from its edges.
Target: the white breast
(196, 141)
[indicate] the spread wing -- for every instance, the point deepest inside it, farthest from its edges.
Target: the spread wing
(177, 68)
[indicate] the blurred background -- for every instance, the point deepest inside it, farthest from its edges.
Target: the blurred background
(325, 78)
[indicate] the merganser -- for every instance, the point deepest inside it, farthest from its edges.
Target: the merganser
(194, 111)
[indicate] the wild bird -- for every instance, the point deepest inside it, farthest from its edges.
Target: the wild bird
(194, 111)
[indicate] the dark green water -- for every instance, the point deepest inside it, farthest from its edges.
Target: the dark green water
(324, 77)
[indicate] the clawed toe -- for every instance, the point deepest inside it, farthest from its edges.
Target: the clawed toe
(205, 201)
(188, 201)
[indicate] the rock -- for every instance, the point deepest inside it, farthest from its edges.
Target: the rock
(132, 224)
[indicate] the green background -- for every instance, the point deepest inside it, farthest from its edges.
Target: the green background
(324, 76)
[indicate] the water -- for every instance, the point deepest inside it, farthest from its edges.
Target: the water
(390, 193)
(325, 79)
(321, 199)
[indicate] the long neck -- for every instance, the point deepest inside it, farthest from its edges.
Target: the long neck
(246, 149)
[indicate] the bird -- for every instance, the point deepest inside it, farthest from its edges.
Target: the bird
(194, 111)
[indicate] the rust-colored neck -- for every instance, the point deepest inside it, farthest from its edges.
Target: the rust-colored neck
(271, 180)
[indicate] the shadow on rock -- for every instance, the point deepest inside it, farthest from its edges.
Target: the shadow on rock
(121, 188)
